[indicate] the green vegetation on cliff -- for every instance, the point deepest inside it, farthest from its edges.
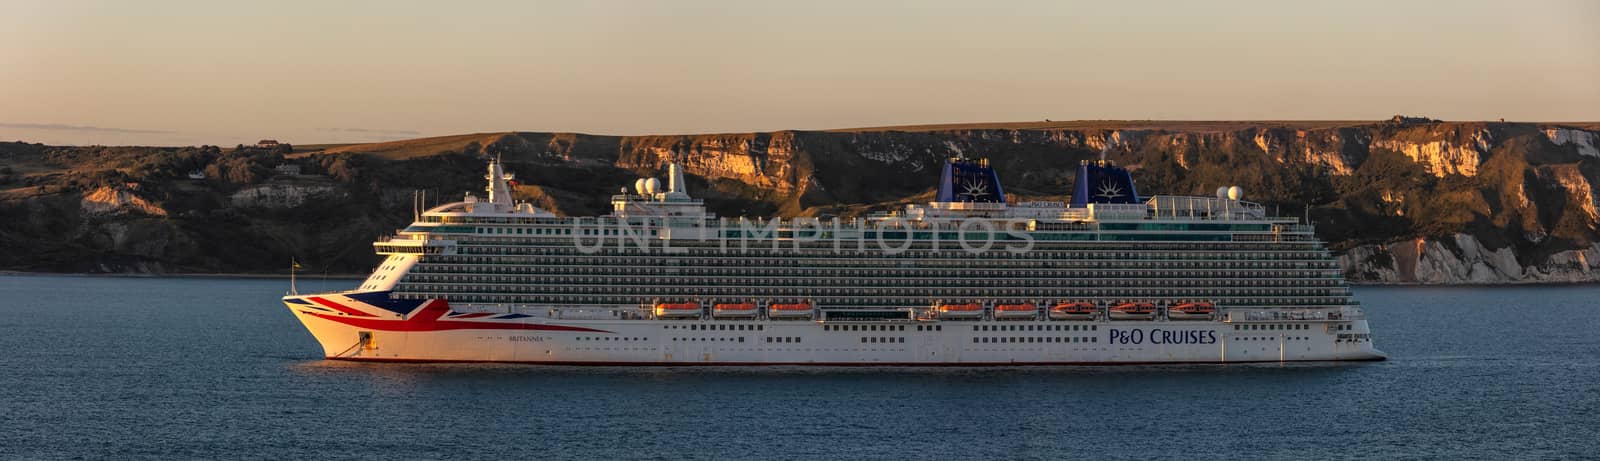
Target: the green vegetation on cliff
(1523, 187)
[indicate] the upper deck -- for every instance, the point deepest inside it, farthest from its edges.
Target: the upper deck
(648, 211)
(967, 245)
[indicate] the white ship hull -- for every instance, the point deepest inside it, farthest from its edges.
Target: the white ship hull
(662, 281)
(361, 332)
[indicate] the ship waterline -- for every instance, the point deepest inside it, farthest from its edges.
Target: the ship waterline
(968, 279)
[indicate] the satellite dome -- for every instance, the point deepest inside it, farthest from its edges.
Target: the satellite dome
(638, 186)
(1234, 193)
(1222, 192)
(651, 186)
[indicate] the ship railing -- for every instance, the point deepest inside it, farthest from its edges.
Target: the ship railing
(329, 292)
(1342, 313)
(1273, 238)
(1075, 214)
(967, 206)
(1178, 206)
(878, 315)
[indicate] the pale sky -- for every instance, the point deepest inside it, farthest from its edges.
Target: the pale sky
(172, 72)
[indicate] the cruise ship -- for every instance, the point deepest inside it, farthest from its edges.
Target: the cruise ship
(968, 279)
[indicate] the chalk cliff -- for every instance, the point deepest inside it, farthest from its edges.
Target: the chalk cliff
(1414, 202)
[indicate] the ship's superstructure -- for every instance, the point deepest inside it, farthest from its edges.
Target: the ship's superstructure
(967, 279)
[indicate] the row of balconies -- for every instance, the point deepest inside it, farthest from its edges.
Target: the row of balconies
(878, 279)
(847, 301)
(646, 288)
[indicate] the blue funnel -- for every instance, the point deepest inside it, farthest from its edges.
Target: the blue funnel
(1103, 182)
(969, 181)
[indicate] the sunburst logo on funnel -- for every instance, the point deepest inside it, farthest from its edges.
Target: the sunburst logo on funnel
(975, 189)
(1109, 190)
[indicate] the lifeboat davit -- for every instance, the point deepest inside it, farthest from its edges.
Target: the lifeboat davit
(1080, 310)
(733, 310)
(678, 310)
(1133, 311)
(961, 311)
(1016, 311)
(1191, 311)
(789, 311)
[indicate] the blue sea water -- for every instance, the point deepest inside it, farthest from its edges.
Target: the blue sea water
(94, 367)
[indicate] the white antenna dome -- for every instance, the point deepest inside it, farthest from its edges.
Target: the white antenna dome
(638, 186)
(651, 186)
(1222, 192)
(1234, 193)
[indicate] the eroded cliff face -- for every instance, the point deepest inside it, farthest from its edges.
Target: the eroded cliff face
(1461, 259)
(1585, 142)
(1457, 153)
(107, 200)
(1443, 202)
(1432, 203)
(1439, 203)
(767, 161)
(283, 195)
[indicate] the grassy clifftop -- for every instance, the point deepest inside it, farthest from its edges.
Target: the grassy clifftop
(1526, 187)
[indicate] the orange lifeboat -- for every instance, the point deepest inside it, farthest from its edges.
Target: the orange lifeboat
(1133, 311)
(1191, 311)
(678, 310)
(1016, 311)
(960, 311)
(1081, 310)
(789, 311)
(733, 310)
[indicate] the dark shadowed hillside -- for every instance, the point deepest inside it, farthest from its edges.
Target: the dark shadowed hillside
(1446, 202)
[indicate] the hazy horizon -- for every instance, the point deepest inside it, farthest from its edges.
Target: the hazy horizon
(179, 72)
